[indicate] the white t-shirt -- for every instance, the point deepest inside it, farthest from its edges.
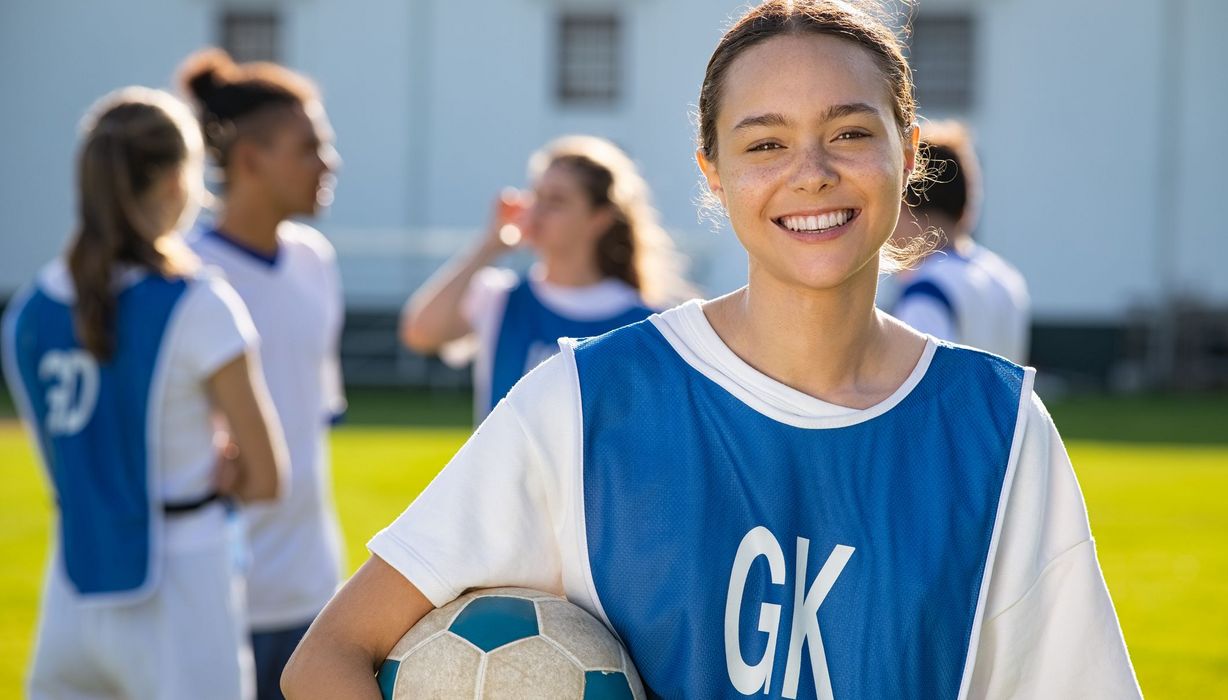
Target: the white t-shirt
(977, 299)
(296, 304)
(508, 510)
(209, 327)
(485, 299)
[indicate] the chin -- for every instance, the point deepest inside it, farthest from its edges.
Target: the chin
(821, 275)
(308, 209)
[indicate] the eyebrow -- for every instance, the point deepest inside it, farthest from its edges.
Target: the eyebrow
(771, 119)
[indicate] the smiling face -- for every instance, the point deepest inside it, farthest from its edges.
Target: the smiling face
(810, 164)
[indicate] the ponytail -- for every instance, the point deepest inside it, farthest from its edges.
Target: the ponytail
(133, 138)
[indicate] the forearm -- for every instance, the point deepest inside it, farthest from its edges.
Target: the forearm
(322, 667)
(432, 316)
(338, 656)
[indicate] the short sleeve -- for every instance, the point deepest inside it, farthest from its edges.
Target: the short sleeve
(493, 516)
(335, 403)
(1049, 627)
(215, 326)
(481, 307)
(485, 290)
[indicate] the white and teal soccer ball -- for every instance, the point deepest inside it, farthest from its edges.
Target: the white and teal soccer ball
(509, 643)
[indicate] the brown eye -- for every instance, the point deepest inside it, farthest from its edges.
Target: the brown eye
(849, 135)
(766, 146)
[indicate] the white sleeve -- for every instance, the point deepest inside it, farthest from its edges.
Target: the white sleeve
(1050, 629)
(481, 307)
(335, 403)
(492, 516)
(926, 315)
(215, 326)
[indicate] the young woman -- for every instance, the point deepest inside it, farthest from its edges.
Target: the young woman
(267, 133)
(780, 492)
(964, 293)
(603, 262)
(120, 356)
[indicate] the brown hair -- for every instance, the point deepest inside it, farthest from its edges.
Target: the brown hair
(133, 137)
(864, 22)
(234, 100)
(635, 249)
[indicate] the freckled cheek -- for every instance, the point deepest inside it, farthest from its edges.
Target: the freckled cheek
(750, 188)
(879, 179)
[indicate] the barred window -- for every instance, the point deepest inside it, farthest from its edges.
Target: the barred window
(251, 35)
(941, 53)
(589, 59)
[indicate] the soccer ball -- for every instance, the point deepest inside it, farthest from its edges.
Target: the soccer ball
(509, 643)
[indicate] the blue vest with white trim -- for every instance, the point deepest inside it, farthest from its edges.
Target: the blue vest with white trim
(529, 334)
(737, 555)
(91, 421)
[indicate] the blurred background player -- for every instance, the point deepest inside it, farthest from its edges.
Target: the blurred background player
(962, 292)
(603, 261)
(267, 133)
(119, 354)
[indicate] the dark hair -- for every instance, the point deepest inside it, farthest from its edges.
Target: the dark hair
(132, 137)
(635, 249)
(860, 22)
(953, 184)
(231, 98)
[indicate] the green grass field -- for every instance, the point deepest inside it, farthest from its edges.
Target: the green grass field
(1154, 472)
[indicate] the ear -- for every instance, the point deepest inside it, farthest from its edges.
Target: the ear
(912, 141)
(244, 158)
(708, 168)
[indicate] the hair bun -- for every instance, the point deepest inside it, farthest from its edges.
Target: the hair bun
(205, 72)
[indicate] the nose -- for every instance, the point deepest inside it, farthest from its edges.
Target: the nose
(330, 159)
(814, 171)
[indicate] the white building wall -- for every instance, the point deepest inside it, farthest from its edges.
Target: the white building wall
(56, 58)
(1197, 133)
(1069, 136)
(1100, 190)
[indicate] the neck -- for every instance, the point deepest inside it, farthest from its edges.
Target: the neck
(829, 343)
(570, 270)
(251, 222)
(961, 243)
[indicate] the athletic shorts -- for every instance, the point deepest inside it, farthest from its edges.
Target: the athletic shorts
(187, 640)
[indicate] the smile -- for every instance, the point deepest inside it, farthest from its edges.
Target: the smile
(827, 222)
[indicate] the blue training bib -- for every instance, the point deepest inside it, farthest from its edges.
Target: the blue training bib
(529, 334)
(736, 555)
(91, 420)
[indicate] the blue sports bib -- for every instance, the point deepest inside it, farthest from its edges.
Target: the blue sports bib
(736, 555)
(529, 334)
(91, 420)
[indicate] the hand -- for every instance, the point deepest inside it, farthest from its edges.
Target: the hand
(228, 471)
(508, 219)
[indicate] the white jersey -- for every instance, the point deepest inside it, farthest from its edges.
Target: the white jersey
(295, 302)
(514, 508)
(483, 308)
(182, 633)
(976, 299)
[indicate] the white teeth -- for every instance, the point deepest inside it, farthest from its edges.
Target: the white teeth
(818, 222)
